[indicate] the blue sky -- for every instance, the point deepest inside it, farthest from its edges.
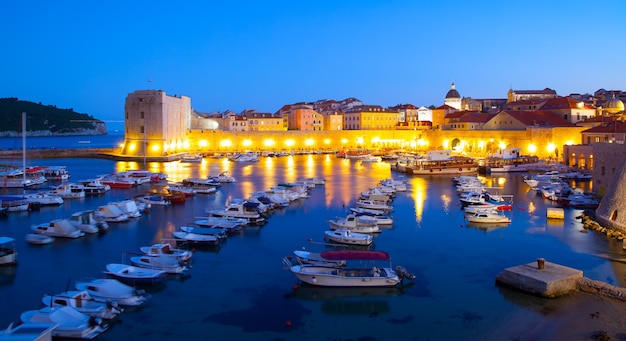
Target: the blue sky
(260, 55)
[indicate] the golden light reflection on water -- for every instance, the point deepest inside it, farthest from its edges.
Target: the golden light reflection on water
(418, 190)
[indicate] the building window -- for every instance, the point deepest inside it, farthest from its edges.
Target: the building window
(142, 130)
(141, 114)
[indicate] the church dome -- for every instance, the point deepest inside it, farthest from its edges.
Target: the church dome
(452, 93)
(614, 105)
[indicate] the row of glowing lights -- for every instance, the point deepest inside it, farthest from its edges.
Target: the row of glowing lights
(532, 148)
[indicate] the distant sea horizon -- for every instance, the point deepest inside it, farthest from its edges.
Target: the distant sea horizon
(110, 140)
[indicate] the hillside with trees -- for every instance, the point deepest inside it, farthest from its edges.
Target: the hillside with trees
(44, 120)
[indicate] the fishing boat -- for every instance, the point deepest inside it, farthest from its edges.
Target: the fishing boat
(14, 203)
(359, 272)
(307, 257)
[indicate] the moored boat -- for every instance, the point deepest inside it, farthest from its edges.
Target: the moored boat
(362, 274)
(348, 237)
(133, 275)
(70, 322)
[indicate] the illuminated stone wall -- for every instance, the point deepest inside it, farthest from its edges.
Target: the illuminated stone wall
(543, 142)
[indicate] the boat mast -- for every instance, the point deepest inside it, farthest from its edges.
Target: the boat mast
(24, 150)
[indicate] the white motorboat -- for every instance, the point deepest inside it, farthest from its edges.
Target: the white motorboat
(224, 177)
(244, 157)
(94, 186)
(128, 207)
(218, 232)
(86, 222)
(165, 263)
(194, 238)
(202, 186)
(14, 203)
(314, 181)
(354, 224)
(361, 274)
(84, 303)
(230, 224)
(38, 239)
(111, 213)
(384, 219)
(488, 216)
(58, 228)
(8, 252)
(166, 250)
(44, 199)
(179, 188)
(192, 158)
(240, 209)
(70, 322)
(69, 191)
(110, 289)
(374, 205)
(153, 199)
(348, 237)
(133, 275)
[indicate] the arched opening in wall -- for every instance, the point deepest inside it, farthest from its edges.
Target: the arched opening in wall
(455, 143)
(571, 161)
(581, 161)
(614, 216)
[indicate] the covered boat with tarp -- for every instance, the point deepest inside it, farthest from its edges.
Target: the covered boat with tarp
(361, 270)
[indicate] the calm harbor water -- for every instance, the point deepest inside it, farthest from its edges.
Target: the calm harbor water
(241, 290)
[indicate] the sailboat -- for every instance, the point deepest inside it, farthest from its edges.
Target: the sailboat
(11, 179)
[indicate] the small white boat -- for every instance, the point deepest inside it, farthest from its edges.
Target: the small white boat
(348, 237)
(202, 186)
(374, 205)
(194, 238)
(165, 263)
(70, 322)
(84, 303)
(69, 191)
(153, 199)
(86, 222)
(354, 224)
(165, 249)
(128, 207)
(370, 159)
(192, 158)
(133, 275)
(8, 252)
(58, 228)
(239, 208)
(362, 274)
(110, 289)
(44, 199)
(487, 216)
(111, 213)
(94, 186)
(38, 239)
(218, 232)
(224, 177)
(378, 219)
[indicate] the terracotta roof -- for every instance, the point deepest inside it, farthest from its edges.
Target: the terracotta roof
(538, 118)
(615, 126)
(562, 103)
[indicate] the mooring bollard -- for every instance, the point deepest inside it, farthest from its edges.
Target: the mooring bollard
(541, 263)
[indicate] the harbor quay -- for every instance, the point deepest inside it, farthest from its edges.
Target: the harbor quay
(542, 142)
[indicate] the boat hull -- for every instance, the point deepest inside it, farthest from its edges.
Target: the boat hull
(339, 277)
